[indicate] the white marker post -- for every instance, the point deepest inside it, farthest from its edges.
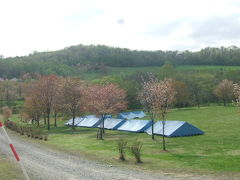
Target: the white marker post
(14, 151)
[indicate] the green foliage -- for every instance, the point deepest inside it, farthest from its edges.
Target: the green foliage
(79, 59)
(135, 149)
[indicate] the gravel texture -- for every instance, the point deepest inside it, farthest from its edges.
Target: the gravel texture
(43, 163)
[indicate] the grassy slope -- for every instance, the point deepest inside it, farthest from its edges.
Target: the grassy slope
(155, 69)
(217, 151)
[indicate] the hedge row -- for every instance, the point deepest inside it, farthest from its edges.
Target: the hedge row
(28, 131)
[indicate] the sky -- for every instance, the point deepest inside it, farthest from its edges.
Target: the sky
(47, 25)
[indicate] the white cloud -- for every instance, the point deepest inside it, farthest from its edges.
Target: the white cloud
(41, 25)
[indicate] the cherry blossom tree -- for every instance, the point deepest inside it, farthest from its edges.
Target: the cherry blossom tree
(236, 91)
(105, 99)
(147, 98)
(165, 94)
(157, 98)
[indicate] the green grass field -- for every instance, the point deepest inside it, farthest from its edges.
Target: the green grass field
(155, 69)
(9, 171)
(218, 151)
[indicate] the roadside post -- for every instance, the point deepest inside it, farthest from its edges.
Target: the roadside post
(14, 151)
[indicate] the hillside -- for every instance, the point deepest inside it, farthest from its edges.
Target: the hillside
(75, 59)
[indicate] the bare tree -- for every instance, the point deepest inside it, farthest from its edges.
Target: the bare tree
(7, 113)
(32, 108)
(8, 91)
(73, 93)
(57, 100)
(224, 91)
(45, 89)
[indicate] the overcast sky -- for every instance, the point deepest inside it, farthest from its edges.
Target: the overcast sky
(46, 25)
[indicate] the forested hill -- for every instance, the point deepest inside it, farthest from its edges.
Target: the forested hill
(67, 61)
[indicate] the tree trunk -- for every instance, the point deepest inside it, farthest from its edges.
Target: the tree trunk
(152, 118)
(48, 120)
(44, 117)
(164, 143)
(103, 124)
(38, 121)
(224, 102)
(153, 129)
(73, 127)
(198, 104)
(55, 119)
(101, 129)
(100, 134)
(7, 95)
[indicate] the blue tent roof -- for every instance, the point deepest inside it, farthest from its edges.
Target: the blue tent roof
(112, 123)
(139, 114)
(135, 125)
(76, 121)
(174, 128)
(131, 115)
(89, 121)
(108, 116)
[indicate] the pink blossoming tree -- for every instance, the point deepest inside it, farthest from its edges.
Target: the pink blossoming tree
(157, 98)
(105, 99)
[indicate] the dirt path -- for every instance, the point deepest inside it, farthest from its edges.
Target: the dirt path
(43, 163)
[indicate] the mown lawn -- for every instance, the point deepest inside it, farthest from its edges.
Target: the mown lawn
(218, 151)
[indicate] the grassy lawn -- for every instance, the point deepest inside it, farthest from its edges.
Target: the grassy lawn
(9, 171)
(218, 151)
(155, 69)
(207, 68)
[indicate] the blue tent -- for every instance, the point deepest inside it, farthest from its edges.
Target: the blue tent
(108, 116)
(174, 129)
(124, 115)
(76, 121)
(138, 114)
(89, 121)
(135, 125)
(131, 115)
(113, 124)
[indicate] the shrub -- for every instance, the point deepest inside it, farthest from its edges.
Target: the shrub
(7, 112)
(122, 144)
(23, 130)
(40, 136)
(45, 137)
(135, 149)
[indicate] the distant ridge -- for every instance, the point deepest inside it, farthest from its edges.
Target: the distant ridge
(64, 62)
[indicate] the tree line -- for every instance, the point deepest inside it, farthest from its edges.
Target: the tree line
(50, 96)
(193, 89)
(71, 60)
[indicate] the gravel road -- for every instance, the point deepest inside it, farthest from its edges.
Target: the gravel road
(43, 163)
